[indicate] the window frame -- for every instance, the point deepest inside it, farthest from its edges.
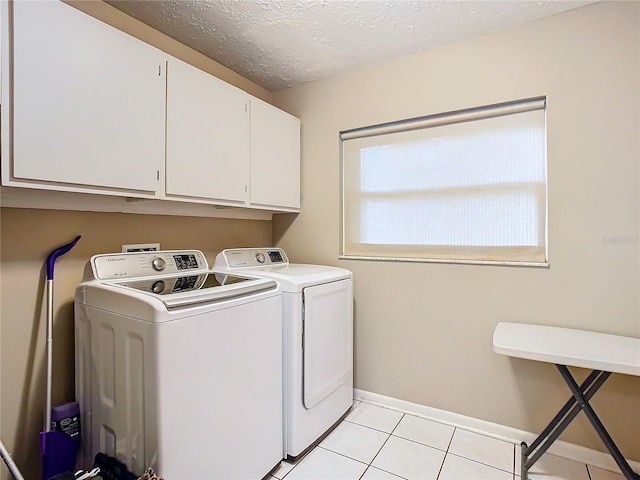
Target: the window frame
(435, 120)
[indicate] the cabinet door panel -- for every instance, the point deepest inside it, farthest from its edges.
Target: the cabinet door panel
(275, 156)
(207, 136)
(88, 101)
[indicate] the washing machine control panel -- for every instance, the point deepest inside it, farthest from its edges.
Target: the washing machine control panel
(144, 264)
(252, 257)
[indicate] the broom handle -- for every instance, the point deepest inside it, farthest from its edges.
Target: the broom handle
(47, 412)
(6, 456)
(51, 261)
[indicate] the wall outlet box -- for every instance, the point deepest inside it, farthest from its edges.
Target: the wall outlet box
(141, 247)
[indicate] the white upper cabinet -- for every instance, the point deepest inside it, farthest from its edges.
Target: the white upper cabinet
(207, 137)
(87, 110)
(275, 157)
(90, 109)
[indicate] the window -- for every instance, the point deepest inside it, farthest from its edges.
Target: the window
(467, 186)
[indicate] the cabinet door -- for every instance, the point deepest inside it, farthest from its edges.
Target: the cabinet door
(88, 103)
(207, 136)
(275, 156)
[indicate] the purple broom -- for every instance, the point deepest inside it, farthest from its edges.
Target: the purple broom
(57, 448)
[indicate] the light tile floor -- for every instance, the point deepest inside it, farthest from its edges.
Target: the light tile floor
(378, 443)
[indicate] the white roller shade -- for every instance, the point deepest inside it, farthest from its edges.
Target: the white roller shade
(468, 186)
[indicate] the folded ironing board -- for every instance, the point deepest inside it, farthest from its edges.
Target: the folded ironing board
(604, 354)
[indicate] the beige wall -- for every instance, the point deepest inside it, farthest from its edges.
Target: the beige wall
(423, 332)
(27, 236)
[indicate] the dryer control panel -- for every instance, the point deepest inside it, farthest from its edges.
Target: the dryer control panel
(251, 257)
(146, 264)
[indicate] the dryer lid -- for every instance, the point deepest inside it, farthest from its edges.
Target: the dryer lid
(273, 263)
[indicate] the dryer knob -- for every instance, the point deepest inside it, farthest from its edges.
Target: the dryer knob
(158, 287)
(260, 257)
(158, 264)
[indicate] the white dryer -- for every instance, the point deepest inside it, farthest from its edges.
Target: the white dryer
(177, 368)
(317, 339)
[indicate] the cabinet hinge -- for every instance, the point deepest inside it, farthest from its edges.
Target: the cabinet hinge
(245, 107)
(158, 175)
(159, 70)
(246, 189)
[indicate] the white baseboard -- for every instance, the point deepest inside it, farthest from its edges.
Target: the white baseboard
(502, 432)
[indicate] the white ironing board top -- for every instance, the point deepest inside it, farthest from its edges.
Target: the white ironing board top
(565, 346)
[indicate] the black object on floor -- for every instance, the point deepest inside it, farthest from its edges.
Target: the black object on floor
(112, 469)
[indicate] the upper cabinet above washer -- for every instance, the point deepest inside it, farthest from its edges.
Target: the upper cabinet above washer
(244, 150)
(87, 109)
(90, 109)
(207, 137)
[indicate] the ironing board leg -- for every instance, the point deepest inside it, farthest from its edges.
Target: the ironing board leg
(597, 424)
(559, 423)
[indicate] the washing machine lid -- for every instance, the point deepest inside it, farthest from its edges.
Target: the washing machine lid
(177, 278)
(181, 291)
(273, 263)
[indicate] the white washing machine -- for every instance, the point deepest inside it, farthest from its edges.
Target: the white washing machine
(178, 368)
(317, 336)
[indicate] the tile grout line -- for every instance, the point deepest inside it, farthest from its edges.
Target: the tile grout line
(382, 446)
(429, 446)
(385, 442)
(479, 462)
(342, 455)
(446, 452)
(369, 426)
(290, 470)
(382, 469)
(422, 443)
(359, 461)
(396, 427)
(511, 471)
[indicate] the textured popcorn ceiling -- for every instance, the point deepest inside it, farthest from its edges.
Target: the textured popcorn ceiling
(281, 43)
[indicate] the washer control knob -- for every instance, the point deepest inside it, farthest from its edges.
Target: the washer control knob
(260, 257)
(158, 287)
(158, 264)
